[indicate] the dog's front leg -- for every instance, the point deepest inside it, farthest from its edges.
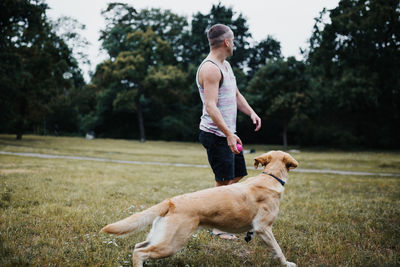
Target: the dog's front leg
(268, 237)
(138, 259)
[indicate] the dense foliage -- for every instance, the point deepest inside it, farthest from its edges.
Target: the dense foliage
(355, 64)
(345, 92)
(36, 68)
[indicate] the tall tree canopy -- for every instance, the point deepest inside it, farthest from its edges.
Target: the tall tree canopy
(196, 43)
(355, 59)
(122, 19)
(36, 65)
(262, 52)
(143, 48)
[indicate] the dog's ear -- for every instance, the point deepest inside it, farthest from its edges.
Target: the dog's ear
(264, 159)
(290, 162)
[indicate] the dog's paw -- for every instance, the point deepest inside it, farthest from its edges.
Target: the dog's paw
(290, 264)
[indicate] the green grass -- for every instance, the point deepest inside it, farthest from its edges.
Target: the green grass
(51, 210)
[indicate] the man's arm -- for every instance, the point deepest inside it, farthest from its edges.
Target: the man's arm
(209, 78)
(244, 107)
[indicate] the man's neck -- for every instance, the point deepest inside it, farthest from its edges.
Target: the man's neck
(218, 56)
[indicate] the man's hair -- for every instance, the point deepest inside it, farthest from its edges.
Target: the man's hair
(217, 34)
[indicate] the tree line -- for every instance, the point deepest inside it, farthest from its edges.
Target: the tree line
(345, 92)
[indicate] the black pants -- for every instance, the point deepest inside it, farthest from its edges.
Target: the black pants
(225, 164)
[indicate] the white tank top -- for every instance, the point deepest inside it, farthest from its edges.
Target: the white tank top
(226, 100)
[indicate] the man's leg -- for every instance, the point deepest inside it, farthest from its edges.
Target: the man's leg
(228, 182)
(215, 231)
(219, 232)
(237, 179)
(222, 162)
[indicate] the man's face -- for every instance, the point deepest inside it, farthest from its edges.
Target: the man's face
(230, 45)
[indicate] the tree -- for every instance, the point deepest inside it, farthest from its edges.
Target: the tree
(279, 92)
(71, 31)
(144, 46)
(262, 52)
(36, 65)
(355, 61)
(127, 74)
(167, 89)
(122, 19)
(166, 24)
(195, 41)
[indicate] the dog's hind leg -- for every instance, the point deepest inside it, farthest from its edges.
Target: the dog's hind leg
(268, 237)
(168, 235)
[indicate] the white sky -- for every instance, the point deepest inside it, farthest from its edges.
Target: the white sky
(288, 21)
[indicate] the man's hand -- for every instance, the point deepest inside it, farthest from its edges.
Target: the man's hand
(233, 139)
(256, 120)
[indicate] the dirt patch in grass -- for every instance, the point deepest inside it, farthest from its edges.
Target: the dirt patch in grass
(13, 171)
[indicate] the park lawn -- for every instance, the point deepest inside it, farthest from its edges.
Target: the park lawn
(192, 153)
(53, 209)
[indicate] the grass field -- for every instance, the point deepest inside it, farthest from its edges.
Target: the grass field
(51, 210)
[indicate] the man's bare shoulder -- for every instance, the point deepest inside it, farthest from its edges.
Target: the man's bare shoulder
(210, 72)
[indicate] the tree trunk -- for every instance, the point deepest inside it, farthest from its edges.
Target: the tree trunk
(284, 134)
(140, 120)
(19, 127)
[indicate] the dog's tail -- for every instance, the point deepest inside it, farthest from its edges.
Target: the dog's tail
(139, 220)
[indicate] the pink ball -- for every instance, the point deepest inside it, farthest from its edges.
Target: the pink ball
(239, 147)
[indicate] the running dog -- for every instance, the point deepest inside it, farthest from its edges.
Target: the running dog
(250, 205)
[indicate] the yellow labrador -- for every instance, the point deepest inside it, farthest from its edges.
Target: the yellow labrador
(252, 204)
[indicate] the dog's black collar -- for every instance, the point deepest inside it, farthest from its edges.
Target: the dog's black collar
(279, 180)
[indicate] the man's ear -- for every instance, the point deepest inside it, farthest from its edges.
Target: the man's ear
(226, 42)
(290, 162)
(264, 159)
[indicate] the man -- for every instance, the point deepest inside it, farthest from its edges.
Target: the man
(221, 99)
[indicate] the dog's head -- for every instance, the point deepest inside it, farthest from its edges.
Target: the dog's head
(276, 157)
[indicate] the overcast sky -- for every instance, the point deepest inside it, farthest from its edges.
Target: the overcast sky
(288, 21)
